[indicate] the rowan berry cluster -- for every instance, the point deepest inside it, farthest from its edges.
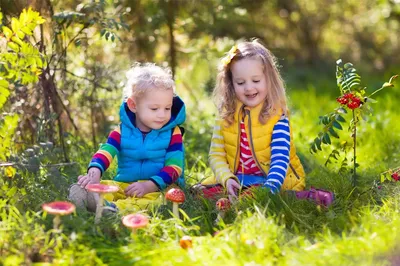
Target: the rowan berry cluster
(350, 100)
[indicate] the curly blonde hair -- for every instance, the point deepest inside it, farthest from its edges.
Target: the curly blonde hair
(145, 77)
(224, 92)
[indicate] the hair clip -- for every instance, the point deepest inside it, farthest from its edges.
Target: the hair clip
(231, 54)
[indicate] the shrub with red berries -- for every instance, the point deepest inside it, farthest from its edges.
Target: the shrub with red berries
(350, 100)
(354, 96)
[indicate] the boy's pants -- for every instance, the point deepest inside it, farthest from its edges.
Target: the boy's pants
(132, 204)
(84, 199)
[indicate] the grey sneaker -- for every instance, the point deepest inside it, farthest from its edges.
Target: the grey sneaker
(81, 198)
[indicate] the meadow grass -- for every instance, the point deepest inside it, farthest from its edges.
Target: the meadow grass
(360, 228)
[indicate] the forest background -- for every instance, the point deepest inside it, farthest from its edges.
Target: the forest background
(57, 111)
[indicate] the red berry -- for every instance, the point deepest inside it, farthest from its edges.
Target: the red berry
(355, 99)
(379, 187)
(348, 95)
(352, 105)
(342, 100)
(396, 176)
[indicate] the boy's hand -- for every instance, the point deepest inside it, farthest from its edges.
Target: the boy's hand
(232, 186)
(139, 189)
(92, 177)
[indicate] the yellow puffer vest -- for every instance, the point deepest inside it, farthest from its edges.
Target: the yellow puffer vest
(259, 136)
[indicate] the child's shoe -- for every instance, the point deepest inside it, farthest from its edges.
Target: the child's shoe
(322, 197)
(109, 208)
(81, 198)
(319, 196)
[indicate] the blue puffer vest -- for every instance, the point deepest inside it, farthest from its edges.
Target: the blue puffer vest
(140, 159)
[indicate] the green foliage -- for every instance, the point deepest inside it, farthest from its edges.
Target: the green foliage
(92, 14)
(20, 65)
(23, 63)
(352, 97)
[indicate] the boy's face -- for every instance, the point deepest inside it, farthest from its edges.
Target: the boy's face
(152, 109)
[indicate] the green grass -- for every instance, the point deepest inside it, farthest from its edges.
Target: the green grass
(361, 228)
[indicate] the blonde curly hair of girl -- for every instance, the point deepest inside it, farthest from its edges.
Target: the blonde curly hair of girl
(147, 76)
(224, 93)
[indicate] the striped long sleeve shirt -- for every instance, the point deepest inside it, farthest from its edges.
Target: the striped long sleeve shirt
(173, 159)
(280, 148)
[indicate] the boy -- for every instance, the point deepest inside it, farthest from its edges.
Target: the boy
(148, 144)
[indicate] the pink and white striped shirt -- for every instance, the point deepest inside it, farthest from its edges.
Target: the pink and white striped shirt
(247, 165)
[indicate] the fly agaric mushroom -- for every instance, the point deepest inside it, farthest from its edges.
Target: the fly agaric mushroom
(223, 204)
(177, 196)
(58, 208)
(101, 190)
(135, 221)
(186, 242)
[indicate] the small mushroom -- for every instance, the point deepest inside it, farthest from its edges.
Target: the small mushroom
(177, 196)
(101, 190)
(58, 208)
(135, 221)
(223, 204)
(186, 242)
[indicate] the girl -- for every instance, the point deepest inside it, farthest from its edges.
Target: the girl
(252, 142)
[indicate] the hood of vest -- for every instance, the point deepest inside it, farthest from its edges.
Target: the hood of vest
(178, 115)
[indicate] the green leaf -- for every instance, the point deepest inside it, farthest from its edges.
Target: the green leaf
(17, 40)
(15, 25)
(340, 118)
(382, 178)
(313, 148)
(326, 138)
(20, 34)
(26, 30)
(317, 142)
(341, 110)
(7, 32)
(337, 125)
(13, 46)
(333, 133)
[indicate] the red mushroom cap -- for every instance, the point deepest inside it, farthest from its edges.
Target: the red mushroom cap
(59, 207)
(186, 242)
(223, 204)
(100, 188)
(175, 195)
(135, 220)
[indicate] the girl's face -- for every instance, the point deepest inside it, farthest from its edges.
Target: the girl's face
(249, 81)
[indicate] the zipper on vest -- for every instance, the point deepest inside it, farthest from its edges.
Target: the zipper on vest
(293, 170)
(238, 140)
(252, 145)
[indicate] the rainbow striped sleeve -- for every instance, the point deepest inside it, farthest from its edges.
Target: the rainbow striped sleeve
(104, 156)
(174, 160)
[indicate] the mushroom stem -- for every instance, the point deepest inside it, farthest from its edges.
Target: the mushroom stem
(220, 216)
(56, 222)
(99, 209)
(175, 209)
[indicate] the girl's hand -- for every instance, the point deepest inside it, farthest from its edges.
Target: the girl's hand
(139, 189)
(232, 186)
(92, 177)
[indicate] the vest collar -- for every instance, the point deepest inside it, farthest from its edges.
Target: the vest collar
(254, 111)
